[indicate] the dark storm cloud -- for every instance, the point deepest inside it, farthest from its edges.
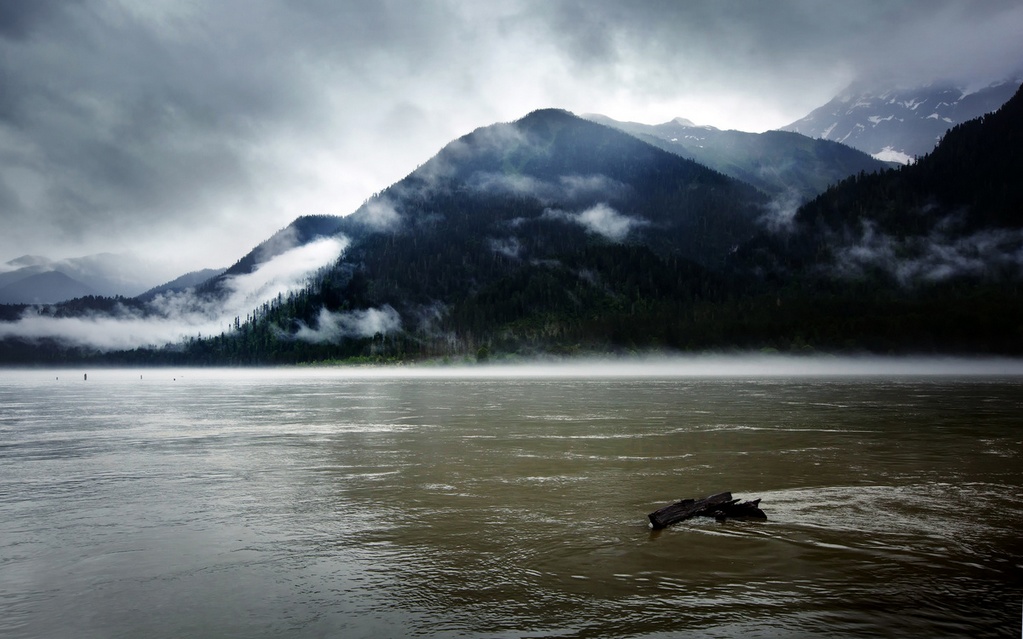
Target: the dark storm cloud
(201, 128)
(123, 118)
(19, 18)
(128, 119)
(789, 45)
(117, 128)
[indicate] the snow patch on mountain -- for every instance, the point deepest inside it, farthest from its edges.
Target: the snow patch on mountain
(900, 123)
(888, 154)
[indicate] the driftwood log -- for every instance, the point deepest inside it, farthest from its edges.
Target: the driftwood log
(720, 506)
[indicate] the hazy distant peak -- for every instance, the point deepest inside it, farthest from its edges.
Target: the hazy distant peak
(970, 89)
(48, 287)
(689, 124)
(678, 122)
(29, 260)
(107, 274)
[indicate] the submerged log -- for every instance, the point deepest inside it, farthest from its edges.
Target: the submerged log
(720, 506)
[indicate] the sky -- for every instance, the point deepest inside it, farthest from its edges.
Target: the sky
(188, 131)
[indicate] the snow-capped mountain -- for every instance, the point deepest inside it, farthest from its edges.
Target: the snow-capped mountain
(897, 125)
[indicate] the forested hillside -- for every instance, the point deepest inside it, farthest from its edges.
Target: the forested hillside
(956, 213)
(928, 257)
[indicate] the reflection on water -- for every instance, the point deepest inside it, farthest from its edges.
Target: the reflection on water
(318, 503)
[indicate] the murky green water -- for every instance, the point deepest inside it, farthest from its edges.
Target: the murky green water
(327, 504)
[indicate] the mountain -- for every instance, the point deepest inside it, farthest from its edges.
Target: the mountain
(552, 181)
(779, 163)
(899, 124)
(46, 287)
(523, 229)
(929, 256)
(22, 267)
(106, 274)
(183, 283)
(956, 211)
(200, 303)
(555, 234)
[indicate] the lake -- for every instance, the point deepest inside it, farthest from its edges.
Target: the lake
(510, 502)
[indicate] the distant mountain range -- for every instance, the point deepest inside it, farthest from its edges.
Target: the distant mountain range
(558, 234)
(183, 283)
(46, 287)
(33, 279)
(777, 162)
(897, 125)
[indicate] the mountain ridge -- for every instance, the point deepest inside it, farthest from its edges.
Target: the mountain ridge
(555, 234)
(106, 274)
(900, 123)
(43, 287)
(779, 163)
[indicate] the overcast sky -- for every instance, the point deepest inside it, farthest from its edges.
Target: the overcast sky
(189, 131)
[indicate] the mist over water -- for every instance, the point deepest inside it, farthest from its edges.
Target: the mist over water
(709, 365)
(511, 501)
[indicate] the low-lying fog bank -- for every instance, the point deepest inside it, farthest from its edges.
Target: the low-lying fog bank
(692, 366)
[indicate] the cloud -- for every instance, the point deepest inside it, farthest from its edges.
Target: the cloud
(780, 212)
(187, 130)
(934, 257)
(379, 214)
(107, 332)
(161, 126)
(513, 184)
(334, 327)
(569, 190)
(509, 247)
(776, 48)
(589, 187)
(600, 219)
(286, 273)
(172, 317)
(280, 242)
(481, 143)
